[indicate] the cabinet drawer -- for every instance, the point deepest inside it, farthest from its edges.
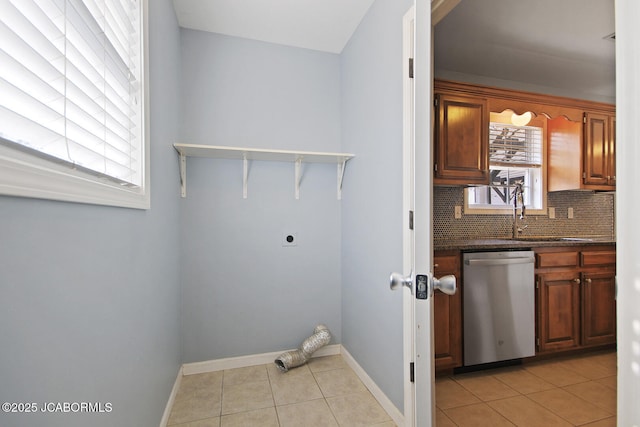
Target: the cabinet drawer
(446, 264)
(598, 258)
(557, 259)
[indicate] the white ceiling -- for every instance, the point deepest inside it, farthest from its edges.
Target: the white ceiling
(554, 43)
(325, 25)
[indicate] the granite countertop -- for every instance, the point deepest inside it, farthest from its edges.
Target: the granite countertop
(521, 243)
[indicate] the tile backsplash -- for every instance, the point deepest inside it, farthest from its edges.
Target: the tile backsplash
(594, 215)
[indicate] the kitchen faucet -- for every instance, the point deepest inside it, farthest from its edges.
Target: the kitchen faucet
(518, 197)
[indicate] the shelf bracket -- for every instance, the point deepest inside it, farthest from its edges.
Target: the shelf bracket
(183, 175)
(298, 177)
(245, 175)
(341, 167)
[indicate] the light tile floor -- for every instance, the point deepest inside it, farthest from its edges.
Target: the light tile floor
(576, 391)
(324, 392)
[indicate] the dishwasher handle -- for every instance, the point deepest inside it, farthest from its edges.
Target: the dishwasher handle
(499, 261)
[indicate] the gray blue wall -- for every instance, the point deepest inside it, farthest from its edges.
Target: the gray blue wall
(90, 295)
(372, 201)
(242, 291)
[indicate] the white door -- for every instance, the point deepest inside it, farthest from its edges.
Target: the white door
(417, 255)
(627, 204)
(416, 280)
(422, 219)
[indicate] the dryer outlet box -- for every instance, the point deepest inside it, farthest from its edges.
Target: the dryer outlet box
(289, 239)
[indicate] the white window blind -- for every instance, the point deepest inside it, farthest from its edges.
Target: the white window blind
(515, 156)
(71, 85)
(515, 145)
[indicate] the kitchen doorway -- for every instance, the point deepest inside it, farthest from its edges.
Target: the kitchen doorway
(628, 250)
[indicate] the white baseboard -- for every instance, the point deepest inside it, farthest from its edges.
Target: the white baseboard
(379, 395)
(172, 398)
(244, 361)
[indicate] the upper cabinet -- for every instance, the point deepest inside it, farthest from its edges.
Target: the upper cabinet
(600, 159)
(462, 140)
(580, 136)
(582, 155)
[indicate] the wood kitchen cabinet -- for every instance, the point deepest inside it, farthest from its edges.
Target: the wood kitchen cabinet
(581, 156)
(599, 152)
(558, 310)
(581, 136)
(575, 297)
(462, 140)
(447, 313)
(598, 297)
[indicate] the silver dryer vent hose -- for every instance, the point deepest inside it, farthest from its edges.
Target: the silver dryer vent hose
(290, 359)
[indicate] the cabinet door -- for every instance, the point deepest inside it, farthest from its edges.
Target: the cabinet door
(558, 310)
(564, 154)
(597, 146)
(447, 315)
(599, 308)
(462, 141)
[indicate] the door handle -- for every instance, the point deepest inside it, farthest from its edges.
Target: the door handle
(445, 284)
(398, 280)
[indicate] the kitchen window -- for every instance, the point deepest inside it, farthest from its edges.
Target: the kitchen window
(73, 122)
(516, 155)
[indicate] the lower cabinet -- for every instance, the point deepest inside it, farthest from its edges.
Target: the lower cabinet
(558, 310)
(575, 298)
(447, 313)
(575, 301)
(599, 308)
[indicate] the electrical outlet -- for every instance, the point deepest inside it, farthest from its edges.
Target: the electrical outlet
(570, 213)
(457, 213)
(289, 239)
(552, 213)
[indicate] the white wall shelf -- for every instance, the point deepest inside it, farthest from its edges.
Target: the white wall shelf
(246, 154)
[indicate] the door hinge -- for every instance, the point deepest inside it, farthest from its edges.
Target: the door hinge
(410, 68)
(538, 284)
(584, 119)
(435, 167)
(435, 102)
(412, 372)
(410, 220)
(538, 342)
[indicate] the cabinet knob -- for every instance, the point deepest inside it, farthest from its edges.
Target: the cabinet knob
(587, 280)
(436, 265)
(576, 280)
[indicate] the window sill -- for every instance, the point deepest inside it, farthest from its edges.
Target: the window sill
(22, 175)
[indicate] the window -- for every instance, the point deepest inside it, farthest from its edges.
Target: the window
(516, 153)
(72, 109)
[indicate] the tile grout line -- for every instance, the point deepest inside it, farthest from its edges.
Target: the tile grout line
(275, 406)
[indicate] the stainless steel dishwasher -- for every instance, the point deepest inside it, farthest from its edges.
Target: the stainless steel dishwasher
(499, 300)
